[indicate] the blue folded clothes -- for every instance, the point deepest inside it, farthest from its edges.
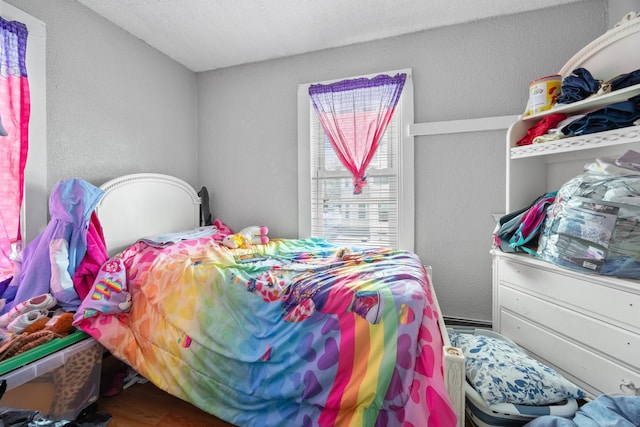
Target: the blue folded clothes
(578, 86)
(625, 80)
(613, 116)
(581, 84)
(603, 411)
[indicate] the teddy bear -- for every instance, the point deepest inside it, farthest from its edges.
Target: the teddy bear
(253, 235)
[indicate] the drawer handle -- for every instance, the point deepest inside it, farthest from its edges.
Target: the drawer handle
(628, 387)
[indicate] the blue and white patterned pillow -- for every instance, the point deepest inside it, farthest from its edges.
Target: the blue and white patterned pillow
(503, 373)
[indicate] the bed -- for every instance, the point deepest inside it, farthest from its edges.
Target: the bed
(293, 332)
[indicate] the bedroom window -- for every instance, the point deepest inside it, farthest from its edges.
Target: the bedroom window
(382, 215)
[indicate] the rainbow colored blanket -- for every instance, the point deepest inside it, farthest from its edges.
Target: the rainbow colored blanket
(292, 333)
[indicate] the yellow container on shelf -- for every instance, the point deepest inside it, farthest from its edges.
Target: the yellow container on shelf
(543, 93)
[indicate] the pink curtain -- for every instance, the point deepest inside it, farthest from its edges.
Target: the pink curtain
(354, 115)
(14, 133)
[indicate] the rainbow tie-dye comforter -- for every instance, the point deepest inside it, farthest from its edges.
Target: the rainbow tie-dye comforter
(292, 333)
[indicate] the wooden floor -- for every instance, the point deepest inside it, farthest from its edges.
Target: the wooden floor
(146, 405)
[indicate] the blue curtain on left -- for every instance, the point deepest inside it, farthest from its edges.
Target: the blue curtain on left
(14, 135)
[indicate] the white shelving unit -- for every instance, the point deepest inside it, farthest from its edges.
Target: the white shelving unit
(584, 325)
(538, 168)
(575, 143)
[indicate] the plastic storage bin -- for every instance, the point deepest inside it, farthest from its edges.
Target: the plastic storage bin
(480, 414)
(508, 415)
(59, 378)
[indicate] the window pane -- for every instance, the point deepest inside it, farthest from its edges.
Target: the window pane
(367, 219)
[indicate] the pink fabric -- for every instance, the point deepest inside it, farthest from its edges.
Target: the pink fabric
(95, 256)
(354, 115)
(355, 138)
(222, 228)
(541, 128)
(14, 138)
(14, 110)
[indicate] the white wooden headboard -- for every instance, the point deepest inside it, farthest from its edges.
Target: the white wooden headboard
(145, 204)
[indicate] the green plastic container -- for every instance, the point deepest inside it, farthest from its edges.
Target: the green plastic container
(41, 351)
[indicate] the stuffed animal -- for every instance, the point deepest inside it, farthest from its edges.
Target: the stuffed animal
(254, 235)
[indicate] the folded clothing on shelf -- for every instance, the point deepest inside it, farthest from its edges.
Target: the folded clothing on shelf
(581, 84)
(613, 116)
(578, 86)
(541, 128)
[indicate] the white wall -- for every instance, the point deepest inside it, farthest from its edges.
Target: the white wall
(114, 104)
(247, 135)
(619, 8)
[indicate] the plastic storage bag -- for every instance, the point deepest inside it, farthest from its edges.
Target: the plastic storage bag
(594, 225)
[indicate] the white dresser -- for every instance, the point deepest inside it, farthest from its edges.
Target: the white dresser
(586, 326)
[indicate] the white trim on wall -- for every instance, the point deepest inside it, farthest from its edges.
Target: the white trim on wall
(304, 162)
(406, 185)
(35, 201)
(461, 126)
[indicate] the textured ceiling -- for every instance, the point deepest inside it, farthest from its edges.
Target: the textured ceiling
(209, 34)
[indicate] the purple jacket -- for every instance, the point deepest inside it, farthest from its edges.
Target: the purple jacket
(50, 260)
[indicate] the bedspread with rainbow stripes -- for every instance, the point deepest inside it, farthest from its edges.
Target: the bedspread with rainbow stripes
(292, 333)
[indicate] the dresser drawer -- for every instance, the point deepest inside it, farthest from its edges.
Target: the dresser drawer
(609, 299)
(588, 369)
(614, 342)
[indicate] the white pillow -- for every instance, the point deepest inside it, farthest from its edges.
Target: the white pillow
(502, 372)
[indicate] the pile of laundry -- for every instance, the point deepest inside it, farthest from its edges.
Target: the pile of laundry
(28, 418)
(32, 323)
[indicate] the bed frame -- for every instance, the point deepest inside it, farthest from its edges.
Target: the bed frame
(145, 204)
(141, 205)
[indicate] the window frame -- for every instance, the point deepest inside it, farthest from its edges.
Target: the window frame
(406, 210)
